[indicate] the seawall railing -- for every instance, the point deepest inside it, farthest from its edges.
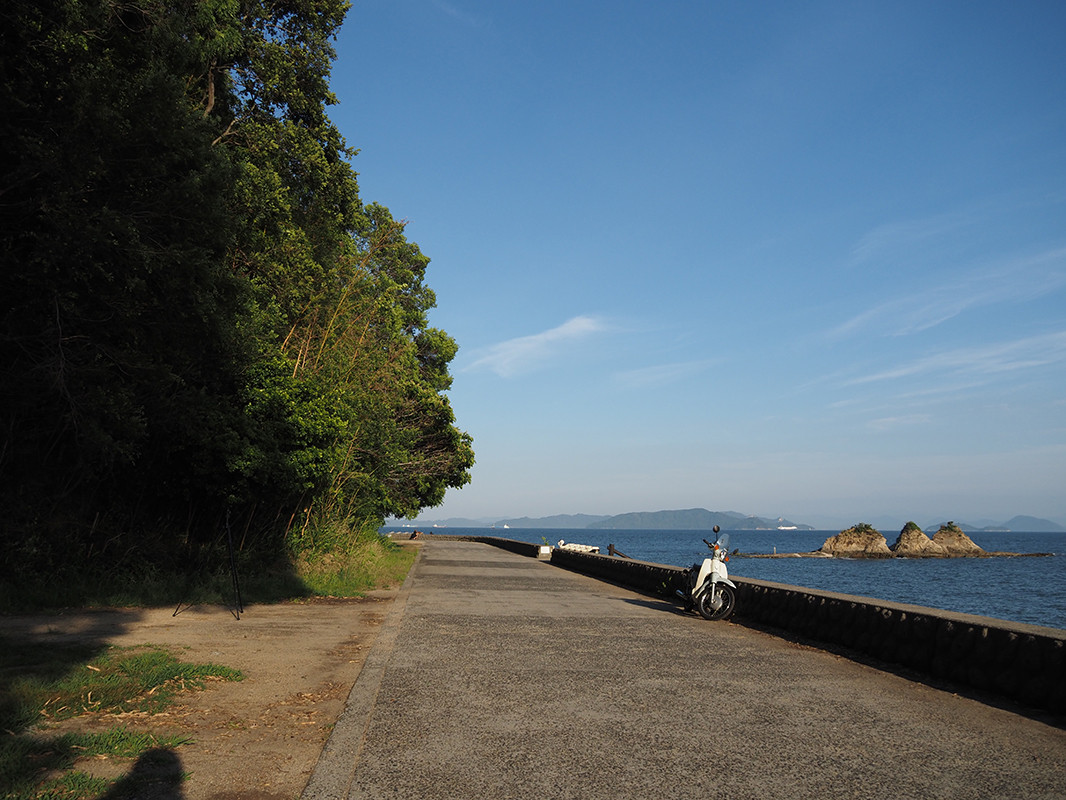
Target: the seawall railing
(1026, 663)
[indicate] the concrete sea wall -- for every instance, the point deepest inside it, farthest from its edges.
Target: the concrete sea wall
(1025, 663)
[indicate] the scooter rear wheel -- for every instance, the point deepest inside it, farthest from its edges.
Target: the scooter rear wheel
(728, 602)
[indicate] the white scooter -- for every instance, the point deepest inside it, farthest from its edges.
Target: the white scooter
(707, 586)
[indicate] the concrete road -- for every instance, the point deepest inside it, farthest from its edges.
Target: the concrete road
(499, 676)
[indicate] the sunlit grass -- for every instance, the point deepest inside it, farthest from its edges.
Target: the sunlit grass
(120, 679)
(366, 563)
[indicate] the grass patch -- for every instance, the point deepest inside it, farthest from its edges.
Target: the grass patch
(120, 679)
(366, 562)
(69, 786)
(39, 683)
(25, 759)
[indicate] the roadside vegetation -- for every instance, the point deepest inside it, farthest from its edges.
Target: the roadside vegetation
(42, 684)
(347, 566)
(337, 563)
(216, 359)
(208, 339)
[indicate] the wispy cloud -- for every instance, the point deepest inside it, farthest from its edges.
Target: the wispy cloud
(890, 423)
(455, 12)
(526, 353)
(1014, 280)
(892, 237)
(986, 361)
(662, 373)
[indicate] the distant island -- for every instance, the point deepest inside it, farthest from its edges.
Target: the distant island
(556, 521)
(1017, 523)
(695, 519)
(699, 519)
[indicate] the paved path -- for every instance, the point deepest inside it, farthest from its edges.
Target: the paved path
(498, 676)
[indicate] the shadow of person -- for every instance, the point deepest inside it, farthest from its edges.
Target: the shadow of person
(157, 775)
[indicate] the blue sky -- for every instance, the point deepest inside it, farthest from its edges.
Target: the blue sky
(799, 259)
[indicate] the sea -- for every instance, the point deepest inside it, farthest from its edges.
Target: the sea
(1031, 590)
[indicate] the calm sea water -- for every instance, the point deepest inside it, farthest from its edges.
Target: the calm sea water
(1029, 590)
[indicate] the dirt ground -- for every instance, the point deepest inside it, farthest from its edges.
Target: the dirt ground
(257, 739)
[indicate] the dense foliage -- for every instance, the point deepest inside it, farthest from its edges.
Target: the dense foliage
(200, 320)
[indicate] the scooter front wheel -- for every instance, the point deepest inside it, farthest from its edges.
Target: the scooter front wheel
(717, 603)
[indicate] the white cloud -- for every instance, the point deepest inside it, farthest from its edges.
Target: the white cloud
(526, 353)
(989, 360)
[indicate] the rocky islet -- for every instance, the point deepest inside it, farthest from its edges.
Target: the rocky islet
(865, 541)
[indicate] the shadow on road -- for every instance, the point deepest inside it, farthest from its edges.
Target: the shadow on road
(158, 775)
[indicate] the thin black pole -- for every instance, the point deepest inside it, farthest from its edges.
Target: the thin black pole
(233, 570)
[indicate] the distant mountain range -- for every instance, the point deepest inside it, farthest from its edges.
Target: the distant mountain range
(698, 519)
(694, 519)
(555, 521)
(1017, 523)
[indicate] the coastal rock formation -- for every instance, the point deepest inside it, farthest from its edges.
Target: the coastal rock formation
(864, 541)
(913, 543)
(859, 541)
(954, 542)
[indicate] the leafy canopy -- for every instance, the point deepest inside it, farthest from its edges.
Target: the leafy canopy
(202, 320)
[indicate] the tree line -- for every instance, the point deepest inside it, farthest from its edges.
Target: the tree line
(201, 319)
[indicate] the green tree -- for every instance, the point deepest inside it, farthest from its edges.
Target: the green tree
(370, 349)
(364, 430)
(200, 316)
(115, 229)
